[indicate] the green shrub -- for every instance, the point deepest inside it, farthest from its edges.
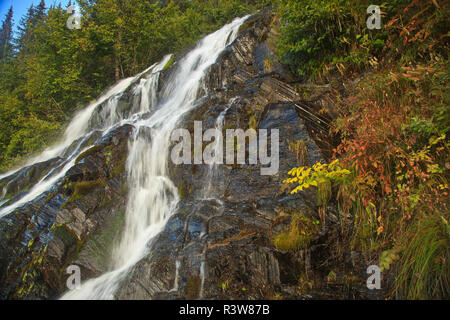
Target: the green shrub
(424, 269)
(300, 232)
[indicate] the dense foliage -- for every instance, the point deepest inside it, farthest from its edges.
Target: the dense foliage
(393, 122)
(321, 37)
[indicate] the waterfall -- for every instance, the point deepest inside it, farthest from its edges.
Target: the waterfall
(207, 192)
(152, 195)
(176, 284)
(218, 150)
(101, 115)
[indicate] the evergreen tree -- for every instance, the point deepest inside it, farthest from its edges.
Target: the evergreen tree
(24, 30)
(39, 13)
(6, 36)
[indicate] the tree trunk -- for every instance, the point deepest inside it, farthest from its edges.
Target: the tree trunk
(117, 69)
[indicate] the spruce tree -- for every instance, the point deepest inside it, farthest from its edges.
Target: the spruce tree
(24, 29)
(39, 12)
(6, 36)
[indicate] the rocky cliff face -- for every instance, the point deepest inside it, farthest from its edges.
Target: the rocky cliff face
(219, 243)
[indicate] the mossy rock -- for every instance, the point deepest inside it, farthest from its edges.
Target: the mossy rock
(98, 248)
(193, 287)
(65, 236)
(115, 159)
(169, 63)
(247, 25)
(119, 167)
(298, 235)
(82, 188)
(87, 153)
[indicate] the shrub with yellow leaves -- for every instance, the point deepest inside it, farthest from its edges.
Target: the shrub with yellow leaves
(318, 174)
(322, 176)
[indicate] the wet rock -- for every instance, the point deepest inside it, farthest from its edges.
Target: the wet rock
(218, 244)
(26, 177)
(60, 228)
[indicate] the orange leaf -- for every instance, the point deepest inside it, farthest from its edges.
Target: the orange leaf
(379, 230)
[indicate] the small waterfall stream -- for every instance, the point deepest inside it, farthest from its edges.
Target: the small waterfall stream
(208, 193)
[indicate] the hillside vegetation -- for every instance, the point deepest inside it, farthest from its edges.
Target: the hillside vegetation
(392, 99)
(47, 70)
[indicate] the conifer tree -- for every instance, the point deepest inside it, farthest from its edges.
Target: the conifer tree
(24, 30)
(39, 12)
(6, 36)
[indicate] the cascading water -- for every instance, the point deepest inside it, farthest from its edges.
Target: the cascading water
(218, 150)
(78, 128)
(81, 129)
(208, 192)
(152, 195)
(176, 284)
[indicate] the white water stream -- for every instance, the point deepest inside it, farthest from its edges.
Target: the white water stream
(78, 129)
(152, 195)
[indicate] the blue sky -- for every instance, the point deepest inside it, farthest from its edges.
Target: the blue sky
(20, 7)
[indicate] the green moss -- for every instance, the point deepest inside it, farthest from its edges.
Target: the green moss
(115, 160)
(247, 25)
(87, 153)
(107, 153)
(300, 232)
(119, 167)
(106, 202)
(169, 63)
(65, 236)
(49, 197)
(193, 287)
(82, 188)
(91, 141)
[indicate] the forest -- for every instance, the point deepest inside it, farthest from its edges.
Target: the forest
(47, 70)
